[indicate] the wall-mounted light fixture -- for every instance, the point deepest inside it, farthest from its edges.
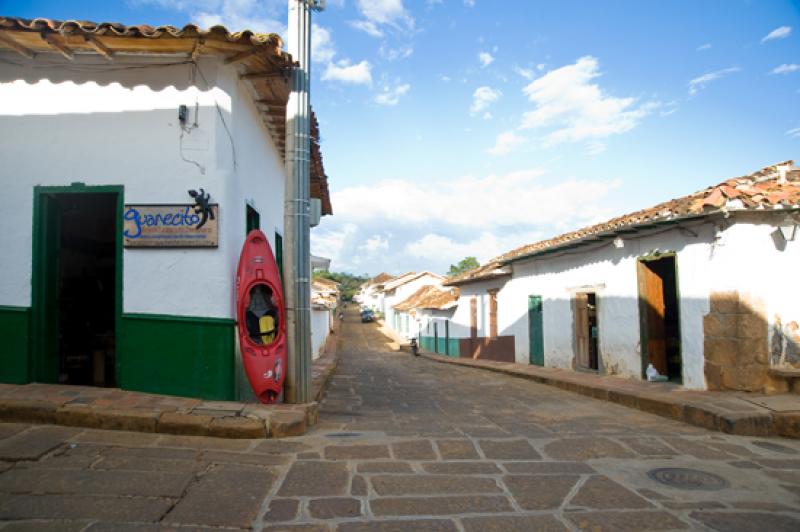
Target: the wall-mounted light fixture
(788, 229)
(619, 243)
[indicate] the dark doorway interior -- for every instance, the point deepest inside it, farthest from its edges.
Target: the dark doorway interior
(586, 331)
(86, 257)
(658, 295)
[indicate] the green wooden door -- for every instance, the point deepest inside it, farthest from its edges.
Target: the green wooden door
(536, 330)
(47, 255)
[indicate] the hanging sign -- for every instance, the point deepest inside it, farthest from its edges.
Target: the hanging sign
(171, 226)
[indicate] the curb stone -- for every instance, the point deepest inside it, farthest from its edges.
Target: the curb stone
(758, 422)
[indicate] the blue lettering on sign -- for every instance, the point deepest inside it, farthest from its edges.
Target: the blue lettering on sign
(173, 219)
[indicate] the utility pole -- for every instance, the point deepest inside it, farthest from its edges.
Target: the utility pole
(296, 258)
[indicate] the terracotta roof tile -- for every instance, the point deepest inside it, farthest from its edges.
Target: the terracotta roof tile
(430, 297)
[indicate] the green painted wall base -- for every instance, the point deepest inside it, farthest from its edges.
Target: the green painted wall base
(176, 355)
(440, 345)
(15, 332)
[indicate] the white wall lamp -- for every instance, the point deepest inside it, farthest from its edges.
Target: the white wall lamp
(619, 243)
(788, 229)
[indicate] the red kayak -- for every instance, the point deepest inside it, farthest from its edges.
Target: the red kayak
(261, 318)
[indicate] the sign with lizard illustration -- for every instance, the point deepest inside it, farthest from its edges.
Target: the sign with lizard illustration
(172, 226)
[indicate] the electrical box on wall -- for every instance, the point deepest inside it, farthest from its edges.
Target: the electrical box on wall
(315, 215)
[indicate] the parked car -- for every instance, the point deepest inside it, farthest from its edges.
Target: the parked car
(367, 315)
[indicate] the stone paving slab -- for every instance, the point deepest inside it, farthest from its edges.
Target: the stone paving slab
(226, 496)
(729, 412)
(119, 509)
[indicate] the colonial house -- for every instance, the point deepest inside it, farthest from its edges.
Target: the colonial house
(399, 289)
(703, 287)
(371, 293)
(324, 302)
(430, 312)
(136, 159)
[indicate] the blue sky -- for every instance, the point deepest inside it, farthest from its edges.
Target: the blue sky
(469, 127)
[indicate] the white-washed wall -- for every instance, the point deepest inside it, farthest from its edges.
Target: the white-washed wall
(403, 292)
(120, 127)
(743, 257)
(320, 328)
(460, 325)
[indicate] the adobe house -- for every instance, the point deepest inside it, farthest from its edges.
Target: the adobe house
(397, 290)
(703, 287)
(430, 310)
(114, 273)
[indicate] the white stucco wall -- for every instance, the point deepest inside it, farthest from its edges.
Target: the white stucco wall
(461, 321)
(403, 292)
(120, 127)
(320, 328)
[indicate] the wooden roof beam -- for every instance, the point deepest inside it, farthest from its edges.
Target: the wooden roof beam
(195, 53)
(235, 58)
(14, 45)
(99, 47)
(265, 75)
(62, 48)
(272, 104)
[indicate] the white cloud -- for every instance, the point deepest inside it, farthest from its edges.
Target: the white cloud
(485, 58)
(506, 143)
(375, 244)
(703, 47)
(469, 3)
(391, 95)
(378, 13)
(496, 200)
(785, 68)
(699, 83)
(526, 73)
(264, 16)
(484, 247)
(794, 133)
(368, 27)
(482, 98)
(393, 54)
(387, 225)
(344, 71)
(322, 48)
(778, 33)
(446, 79)
(577, 109)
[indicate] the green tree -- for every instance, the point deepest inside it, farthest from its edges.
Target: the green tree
(464, 265)
(348, 283)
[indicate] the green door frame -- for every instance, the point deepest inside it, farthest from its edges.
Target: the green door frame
(41, 339)
(535, 330)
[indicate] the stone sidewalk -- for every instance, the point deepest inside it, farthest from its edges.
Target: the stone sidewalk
(741, 413)
(115, 409)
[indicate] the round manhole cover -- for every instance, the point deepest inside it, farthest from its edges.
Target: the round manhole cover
(688, 479)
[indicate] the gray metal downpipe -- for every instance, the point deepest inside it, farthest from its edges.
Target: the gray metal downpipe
(297, 258)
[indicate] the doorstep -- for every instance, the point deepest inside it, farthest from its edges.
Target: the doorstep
(115, 409)
(740, 413)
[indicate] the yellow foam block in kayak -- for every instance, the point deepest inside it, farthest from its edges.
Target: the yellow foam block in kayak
(266, 326)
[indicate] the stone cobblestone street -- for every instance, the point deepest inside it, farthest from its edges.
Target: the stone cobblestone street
(407, 444)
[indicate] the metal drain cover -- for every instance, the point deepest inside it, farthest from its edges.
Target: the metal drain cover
(688, 479)
(343, 435)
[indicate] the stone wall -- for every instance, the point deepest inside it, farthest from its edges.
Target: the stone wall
(736, 347)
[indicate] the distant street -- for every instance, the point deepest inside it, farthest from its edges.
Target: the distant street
(407, 444)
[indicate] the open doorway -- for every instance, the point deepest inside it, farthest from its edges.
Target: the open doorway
(660, 316)
(76, 287)
(587, 351)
